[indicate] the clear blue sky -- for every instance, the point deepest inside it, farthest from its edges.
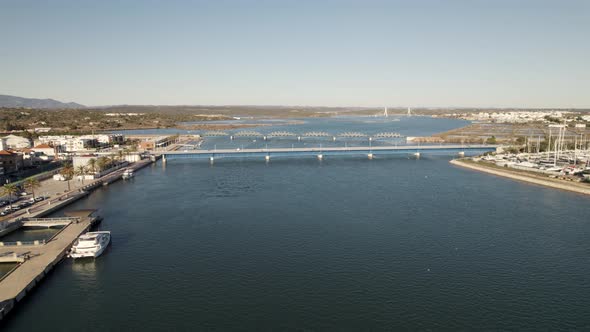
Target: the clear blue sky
(335, 53)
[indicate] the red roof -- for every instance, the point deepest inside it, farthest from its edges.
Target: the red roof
(6, 153)
(43, 146)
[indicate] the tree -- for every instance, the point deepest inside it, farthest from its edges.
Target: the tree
(120, 154)
(92, 165)
(101, 163)
(32, 184)
(68, 173)
(9, 189)
(491, 140)
(81, 171)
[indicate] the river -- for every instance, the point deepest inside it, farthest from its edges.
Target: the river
(342, 244)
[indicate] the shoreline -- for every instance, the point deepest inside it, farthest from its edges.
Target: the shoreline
(515, 175)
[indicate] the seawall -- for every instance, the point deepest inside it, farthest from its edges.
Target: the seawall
(552, 183)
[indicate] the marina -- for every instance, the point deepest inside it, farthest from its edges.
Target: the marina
(35, 260)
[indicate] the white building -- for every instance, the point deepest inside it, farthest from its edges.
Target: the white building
(45, 149)
(69, 143)
(106, 139)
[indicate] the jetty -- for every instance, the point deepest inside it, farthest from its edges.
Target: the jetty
(35, 260)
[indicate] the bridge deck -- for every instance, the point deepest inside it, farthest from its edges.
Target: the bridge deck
(325, 151)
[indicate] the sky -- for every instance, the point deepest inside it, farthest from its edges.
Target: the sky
(304, 52)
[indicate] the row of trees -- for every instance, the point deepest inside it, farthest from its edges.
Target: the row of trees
(94, 165)
(11, 189)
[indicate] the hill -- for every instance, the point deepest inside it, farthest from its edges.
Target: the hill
(13, 101)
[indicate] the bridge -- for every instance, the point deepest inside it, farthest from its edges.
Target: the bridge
(309, 134)
(319, 152)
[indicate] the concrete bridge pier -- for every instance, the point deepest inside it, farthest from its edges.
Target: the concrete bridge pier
(370, 139)
(461, 153)
(370, 156)
(267, 158)
(417, 154)
(265, 138)
(334, 138)
(320, 157)
(231, 137)
(164, 158)
(299, 138)
(211, 159)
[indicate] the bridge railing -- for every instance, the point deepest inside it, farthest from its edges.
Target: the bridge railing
(41, 221)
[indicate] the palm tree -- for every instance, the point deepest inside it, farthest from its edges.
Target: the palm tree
(120, 154)
(68, 173)
(101, 163)
(32, 184)
(92, 165)
(108, 162)
(9, 189)
(81, 171)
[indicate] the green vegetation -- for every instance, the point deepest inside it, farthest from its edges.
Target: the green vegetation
(32, 184)
(491, 140)
(83, 121)
(10, 190)
(81, 171)
(68, 173)
(92, 165)
(552, 119)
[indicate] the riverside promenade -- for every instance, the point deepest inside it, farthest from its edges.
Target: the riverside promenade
(525, 177)
(35, 260)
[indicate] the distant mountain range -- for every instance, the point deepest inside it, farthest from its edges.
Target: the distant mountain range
(13, 101)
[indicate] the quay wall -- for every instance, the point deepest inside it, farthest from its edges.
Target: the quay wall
(23, 278)
(552, 183)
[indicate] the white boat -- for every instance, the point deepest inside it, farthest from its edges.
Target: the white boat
(128, 174)
(91, 244)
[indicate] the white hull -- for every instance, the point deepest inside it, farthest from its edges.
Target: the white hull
(91, 244)
(126, 176)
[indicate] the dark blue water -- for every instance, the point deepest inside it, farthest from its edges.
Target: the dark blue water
(30, 234)
(407, 126)
(344, 244)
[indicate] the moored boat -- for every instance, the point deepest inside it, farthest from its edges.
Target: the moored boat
(128, 174)
(91, 244)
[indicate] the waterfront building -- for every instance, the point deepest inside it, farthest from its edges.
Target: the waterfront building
(10, 162)
(153, 143)
(45, 149)
(70, 143)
